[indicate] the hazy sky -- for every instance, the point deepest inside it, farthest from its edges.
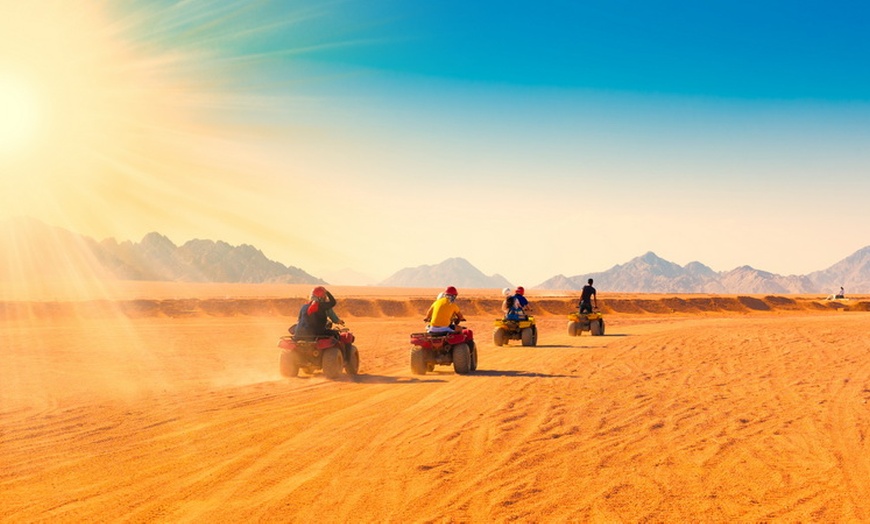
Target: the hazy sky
(531, 138)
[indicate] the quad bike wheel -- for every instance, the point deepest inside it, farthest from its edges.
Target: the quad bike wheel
(500, 337)
(573, 329)
(418, 361)
(596, 328)
(473, 347)
(289, 364)
(351, 366)
(333, 362)
(462, 359)
(528, 336)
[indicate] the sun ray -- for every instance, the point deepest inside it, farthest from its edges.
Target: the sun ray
(133, 117)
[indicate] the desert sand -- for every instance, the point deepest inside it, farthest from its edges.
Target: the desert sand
(164, 403)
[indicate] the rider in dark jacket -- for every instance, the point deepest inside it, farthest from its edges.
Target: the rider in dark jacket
(587, 296)
(314, 316)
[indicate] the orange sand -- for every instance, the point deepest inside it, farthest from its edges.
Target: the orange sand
(164, 403)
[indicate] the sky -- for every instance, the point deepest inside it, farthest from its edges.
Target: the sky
(531, 138)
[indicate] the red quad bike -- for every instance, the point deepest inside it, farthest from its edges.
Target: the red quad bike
(431, 349)
(328, 353)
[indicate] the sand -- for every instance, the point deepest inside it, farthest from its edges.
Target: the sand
(166, 405)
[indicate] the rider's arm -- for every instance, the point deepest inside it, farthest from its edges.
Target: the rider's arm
(330, 301)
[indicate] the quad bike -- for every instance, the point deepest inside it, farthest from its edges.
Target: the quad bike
(329, 353)
(431, 349)
(524, 330)
(591, 322)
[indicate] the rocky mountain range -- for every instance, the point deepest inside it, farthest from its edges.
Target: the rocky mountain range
(55, 252)
(27, 245)
(651, 274)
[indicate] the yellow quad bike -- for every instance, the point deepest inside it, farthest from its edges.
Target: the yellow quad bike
(591, 322)
(524, 330)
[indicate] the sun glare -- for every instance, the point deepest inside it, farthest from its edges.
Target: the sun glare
(119, 118)
(19, 115)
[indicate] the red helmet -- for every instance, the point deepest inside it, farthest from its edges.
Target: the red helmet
(451, 291)
(318, 292)
(520, 290)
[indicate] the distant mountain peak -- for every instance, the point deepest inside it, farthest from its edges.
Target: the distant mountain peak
(455, 271)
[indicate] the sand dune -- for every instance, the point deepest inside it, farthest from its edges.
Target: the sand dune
(399, 307)
(692, 408)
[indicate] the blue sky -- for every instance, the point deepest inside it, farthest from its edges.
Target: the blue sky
(748, 50)
(532, 138)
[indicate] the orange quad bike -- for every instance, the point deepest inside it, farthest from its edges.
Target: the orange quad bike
(329, 353)
(591, 322)
(523, 330)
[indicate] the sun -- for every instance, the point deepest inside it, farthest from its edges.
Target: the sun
(19, 107)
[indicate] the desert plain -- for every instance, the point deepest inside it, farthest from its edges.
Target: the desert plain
(155, 402)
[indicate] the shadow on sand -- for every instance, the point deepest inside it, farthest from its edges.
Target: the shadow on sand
(512, 373)
(386, 379)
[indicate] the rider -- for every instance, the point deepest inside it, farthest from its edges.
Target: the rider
(508, 301)
(586, 297)
(443, 313)
(515, 305)
(314, 316)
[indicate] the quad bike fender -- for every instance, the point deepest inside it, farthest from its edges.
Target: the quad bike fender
(422, 340)
(468, 335)
(513, 325)
(438, 340)
(325, 343)
(314, 347)
(455, 338)
(346, 338)
(576, 317)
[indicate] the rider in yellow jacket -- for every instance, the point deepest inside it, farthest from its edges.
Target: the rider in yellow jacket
(443, 313)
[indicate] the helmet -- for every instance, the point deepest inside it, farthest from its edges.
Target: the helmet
(318, 292)
(451, 291)
(520, 290)
(506, 291)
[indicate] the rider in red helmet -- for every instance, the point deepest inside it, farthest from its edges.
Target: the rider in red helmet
(319, 294)
(516, 306)
(443, 314)
(314, 316)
